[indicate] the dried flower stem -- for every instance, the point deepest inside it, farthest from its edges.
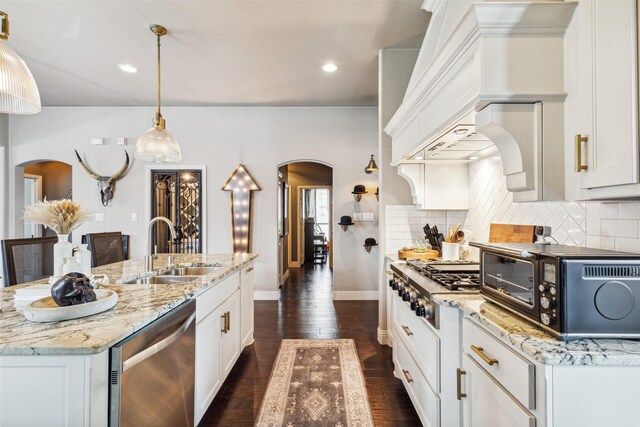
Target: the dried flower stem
(62, 216)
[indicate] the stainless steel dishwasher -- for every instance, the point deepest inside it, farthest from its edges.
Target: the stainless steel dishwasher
(152, 373)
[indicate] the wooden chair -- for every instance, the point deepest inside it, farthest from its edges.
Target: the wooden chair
(26, 260)
(107, 248)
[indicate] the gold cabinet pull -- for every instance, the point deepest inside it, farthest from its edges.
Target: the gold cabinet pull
(249, 270)
(224, 323)
(407, 330)
(579, 140)
(459, 374)
(480, 352)
(407, 376)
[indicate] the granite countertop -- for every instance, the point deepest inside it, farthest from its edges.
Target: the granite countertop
(138, 305)
(539, 345)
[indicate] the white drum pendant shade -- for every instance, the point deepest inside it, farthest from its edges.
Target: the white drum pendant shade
(18, 89)
(159, 146)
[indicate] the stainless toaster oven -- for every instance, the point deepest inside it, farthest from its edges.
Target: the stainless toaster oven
(571, 292)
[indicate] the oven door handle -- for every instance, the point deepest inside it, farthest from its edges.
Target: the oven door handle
(159, 346)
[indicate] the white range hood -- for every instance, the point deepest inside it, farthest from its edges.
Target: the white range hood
(489, 77)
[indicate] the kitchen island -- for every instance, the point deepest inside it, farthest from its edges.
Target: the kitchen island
(62, 368)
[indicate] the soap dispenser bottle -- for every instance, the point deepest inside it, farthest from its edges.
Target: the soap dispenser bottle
(83, 254)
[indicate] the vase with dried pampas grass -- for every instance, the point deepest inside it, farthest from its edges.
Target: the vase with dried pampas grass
(61, 216)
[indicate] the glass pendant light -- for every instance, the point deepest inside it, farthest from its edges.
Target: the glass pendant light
(372, 166)
(157, 144)
(18, 89)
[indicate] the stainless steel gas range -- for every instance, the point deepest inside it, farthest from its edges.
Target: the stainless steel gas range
(416, 281)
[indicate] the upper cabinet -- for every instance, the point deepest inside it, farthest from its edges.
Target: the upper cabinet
(601, 114)
(494, 71)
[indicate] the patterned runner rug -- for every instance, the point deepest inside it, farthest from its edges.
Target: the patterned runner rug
(316, 383)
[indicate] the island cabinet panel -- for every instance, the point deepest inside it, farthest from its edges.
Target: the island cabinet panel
(246, 295)
(65, 391)
(210, 299)
(487, 403)
(230, 345)
(208, 374)
(218, 341)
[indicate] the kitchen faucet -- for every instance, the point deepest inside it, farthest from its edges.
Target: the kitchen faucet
(148, 259)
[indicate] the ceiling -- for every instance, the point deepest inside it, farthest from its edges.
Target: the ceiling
(217, 52)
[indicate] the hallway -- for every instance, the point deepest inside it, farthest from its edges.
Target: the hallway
(306, 310)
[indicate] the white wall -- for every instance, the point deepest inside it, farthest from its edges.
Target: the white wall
(218, 138)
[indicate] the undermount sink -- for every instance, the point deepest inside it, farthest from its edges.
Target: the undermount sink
(162, 280)
(191, 271)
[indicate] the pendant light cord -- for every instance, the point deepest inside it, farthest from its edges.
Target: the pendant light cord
(158, 35)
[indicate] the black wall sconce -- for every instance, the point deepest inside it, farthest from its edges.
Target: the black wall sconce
(372, 166)
(358, 191)
(378, 194)
(369, 242)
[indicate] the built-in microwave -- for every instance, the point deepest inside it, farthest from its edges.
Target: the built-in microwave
(571, 292)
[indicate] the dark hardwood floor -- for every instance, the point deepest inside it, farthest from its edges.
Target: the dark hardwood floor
(306, 310)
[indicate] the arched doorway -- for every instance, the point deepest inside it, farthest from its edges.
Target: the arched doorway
(38, 180)
(305, 212)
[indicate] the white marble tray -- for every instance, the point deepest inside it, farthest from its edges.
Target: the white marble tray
(46, 310)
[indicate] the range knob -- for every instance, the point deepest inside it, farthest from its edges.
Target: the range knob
(391, 283)
(547, 318)
(428, 310)
(546, 303)
(395, 285)
(400, 289)
(542, 287)
(420, 306)
(406, 295)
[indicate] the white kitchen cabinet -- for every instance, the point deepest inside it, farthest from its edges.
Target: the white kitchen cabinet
(247, 305)
(218, 346)
(64, 391)
(437, 186)
(208, 362)
(426, 359)
(487, 403)
(230, 345)
(601, 77)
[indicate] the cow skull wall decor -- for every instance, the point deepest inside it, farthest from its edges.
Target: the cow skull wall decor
(106, 184)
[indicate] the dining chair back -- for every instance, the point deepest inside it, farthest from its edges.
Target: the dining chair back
(26, 260)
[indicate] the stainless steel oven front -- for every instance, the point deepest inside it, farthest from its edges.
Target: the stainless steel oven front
(511, 281)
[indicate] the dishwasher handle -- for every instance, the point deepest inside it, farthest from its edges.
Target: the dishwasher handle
(159, 346)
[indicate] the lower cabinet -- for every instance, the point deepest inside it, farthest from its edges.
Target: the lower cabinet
(246, 304)
(487, 403)
(54, 391)
(230, 346)
(218, 341)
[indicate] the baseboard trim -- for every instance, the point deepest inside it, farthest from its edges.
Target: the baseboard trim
(383, 336)
(266, 295)
(356, 295)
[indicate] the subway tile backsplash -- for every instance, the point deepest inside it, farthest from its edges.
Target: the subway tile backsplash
(613, 226)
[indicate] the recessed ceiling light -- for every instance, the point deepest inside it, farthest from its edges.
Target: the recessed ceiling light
(128, 68)
(496, 158)
(330, 67)
(418, 158)
(461, 131)
(473, 158)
